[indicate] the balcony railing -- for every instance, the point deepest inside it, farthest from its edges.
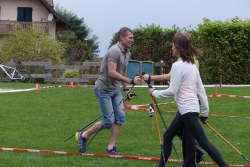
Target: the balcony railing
(6, 26)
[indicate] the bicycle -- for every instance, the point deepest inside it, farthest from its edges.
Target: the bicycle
(14, 75)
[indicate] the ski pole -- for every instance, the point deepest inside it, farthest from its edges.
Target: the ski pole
(124, 98)
(159, 134)
(84, 127)
(226, 141)
(154, 101)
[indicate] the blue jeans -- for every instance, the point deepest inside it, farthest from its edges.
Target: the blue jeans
(112, 107)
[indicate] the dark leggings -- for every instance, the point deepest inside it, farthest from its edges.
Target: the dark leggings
(189, 148)
(190, 121)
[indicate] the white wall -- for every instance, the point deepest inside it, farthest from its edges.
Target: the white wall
(9, 11)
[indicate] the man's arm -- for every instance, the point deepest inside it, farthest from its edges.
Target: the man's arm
(114, 74)
(120, 77)
(163, 77)
(124, 84)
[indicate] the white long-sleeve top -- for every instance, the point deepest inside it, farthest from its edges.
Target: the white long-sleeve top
(187, 88)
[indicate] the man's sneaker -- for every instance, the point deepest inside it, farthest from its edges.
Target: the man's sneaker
(200, 158)
(81, 142)
(113, 151)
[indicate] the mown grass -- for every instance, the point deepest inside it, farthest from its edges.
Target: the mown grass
(44, 119)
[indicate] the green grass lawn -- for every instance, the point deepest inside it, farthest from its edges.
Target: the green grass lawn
(43, 120)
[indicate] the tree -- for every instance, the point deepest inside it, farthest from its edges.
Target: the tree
(30, 44)
(81, 31)
(76, 50)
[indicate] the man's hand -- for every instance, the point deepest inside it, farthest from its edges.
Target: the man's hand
(130, 95)
(136, 80)
(203, 119)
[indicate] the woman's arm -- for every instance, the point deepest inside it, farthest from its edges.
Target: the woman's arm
(163, 77)
(176, 79)
(201, 93)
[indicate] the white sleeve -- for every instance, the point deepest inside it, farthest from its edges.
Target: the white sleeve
(203, 98)
(176, 79)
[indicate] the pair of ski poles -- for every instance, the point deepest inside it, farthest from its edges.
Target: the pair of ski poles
(123, 99)
(131, 94)
(156, 108)
(155, 105)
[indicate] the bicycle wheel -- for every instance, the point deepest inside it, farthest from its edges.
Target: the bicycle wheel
(27, 76)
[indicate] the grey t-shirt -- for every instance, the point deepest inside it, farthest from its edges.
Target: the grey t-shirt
(118, 55)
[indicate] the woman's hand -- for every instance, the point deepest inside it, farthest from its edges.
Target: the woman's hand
(203, 119)
(150, 91)
(145, 77)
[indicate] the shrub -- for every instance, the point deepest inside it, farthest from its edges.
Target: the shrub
(71, 74)
(30, 44)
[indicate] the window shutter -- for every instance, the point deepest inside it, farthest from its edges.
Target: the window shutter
(20, 14)
(28, 15)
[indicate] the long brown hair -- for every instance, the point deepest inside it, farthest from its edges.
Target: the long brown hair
(183, 43)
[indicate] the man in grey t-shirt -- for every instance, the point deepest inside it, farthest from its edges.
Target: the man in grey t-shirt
(107, 91)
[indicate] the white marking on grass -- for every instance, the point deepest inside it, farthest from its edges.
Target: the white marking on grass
(8, 149)
(19, 90)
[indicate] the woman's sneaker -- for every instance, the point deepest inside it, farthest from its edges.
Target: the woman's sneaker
(81, 142)
(113, 151)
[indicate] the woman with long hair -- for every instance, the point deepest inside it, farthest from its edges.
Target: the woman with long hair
(187, 88)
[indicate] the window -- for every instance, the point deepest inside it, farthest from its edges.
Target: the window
(24, 14)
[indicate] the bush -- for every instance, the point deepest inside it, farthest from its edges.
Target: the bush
(71, 74)
(30, 44)
(225, 45)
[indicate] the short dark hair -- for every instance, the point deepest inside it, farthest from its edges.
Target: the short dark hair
(183, 43)
(123, 32)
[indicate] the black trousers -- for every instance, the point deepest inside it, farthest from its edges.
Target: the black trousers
(190, 121)
(189, 148)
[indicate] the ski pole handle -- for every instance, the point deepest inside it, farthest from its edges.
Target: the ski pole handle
(132, 94)
(149, 80)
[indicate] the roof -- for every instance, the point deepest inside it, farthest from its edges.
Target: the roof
(48, 4)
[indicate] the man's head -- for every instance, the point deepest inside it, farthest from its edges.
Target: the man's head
(125, 37)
